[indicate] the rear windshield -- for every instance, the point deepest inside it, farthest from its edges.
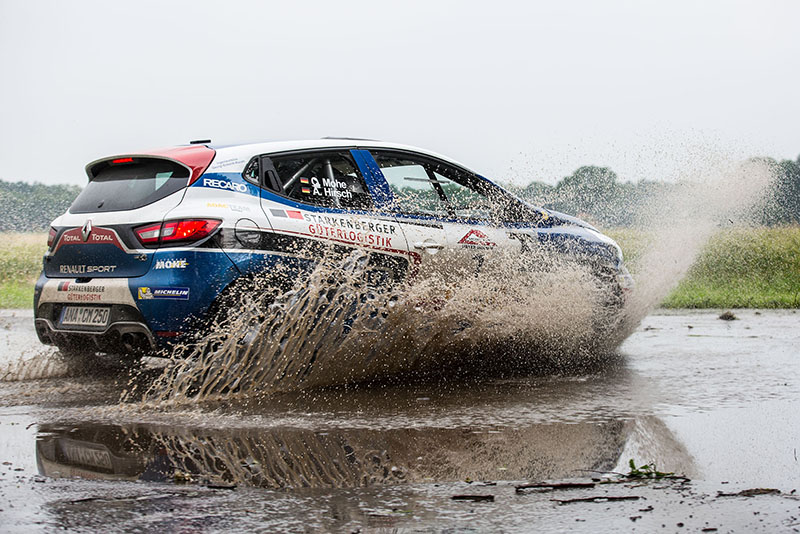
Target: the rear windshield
(129, 183)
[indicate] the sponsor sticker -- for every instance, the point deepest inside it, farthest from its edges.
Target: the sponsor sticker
(227, 163)
(477, 239)
(286, 214)
(223, 205)
(177, 263)
(348, 223)
(165, 293)
(82, 292)
(86, 269)
(224, 184)
(87, 235)
(352, 236)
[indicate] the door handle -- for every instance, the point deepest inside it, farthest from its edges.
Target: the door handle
(428, 245)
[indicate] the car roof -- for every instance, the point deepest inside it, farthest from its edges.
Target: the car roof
(246, 151)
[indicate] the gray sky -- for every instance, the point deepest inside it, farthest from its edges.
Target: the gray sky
(515, 90)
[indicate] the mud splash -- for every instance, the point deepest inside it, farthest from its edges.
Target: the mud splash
(335, 328)
(683, 219)
(518, 315)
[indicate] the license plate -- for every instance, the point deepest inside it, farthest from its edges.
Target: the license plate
(80, 455)
(85, 316)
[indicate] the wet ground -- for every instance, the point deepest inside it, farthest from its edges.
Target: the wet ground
(715, 401)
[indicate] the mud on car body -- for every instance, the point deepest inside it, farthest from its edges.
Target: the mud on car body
(149, 249)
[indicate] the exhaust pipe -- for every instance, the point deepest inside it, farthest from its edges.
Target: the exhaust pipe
(133, 343)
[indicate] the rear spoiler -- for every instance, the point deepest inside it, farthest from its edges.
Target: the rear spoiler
(195, 158)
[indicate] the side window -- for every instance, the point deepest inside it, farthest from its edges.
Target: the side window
(250, 172)
(464, 201)
(469, 197)
(413, 186)
(329, 179)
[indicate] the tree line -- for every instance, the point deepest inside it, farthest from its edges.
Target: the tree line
(591, 192)
(31, 207)
(596, 194)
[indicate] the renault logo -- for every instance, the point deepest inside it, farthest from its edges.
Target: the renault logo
(86, 230)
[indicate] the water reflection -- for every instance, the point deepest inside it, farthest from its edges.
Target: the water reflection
(295, 458)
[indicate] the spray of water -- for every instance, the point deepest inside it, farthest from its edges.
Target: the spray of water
(682, 220)
(518, 314)
(335, 328)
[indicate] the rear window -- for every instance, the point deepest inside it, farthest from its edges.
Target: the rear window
(129, 183)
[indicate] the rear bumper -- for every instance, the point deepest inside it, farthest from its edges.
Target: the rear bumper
(126, 331)
(149, 312)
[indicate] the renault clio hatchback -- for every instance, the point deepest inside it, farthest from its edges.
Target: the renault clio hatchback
(147, 251)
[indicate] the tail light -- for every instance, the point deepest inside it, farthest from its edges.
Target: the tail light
(51, 237)
(176, 232)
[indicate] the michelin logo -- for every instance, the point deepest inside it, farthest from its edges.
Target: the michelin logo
(168, 293)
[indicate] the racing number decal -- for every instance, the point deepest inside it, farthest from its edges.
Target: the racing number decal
(479, 259)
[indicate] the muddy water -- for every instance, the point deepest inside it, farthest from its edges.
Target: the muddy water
(716, 401)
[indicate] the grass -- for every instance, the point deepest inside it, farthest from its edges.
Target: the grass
(754, 268)
(739, 268)
(20, 265)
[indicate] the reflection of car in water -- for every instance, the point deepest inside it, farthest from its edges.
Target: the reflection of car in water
(277, 458)
(152, 246)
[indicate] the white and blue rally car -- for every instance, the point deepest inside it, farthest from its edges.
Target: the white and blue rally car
(148, 250)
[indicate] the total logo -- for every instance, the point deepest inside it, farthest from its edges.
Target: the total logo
(224, 184)
(91, 238)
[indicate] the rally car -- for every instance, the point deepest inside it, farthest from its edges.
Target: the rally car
(148, 250)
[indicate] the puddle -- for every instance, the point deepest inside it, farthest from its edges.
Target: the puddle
(720, 409)
(299, 458)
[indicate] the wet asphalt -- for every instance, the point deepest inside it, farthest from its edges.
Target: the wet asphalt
(713, 401)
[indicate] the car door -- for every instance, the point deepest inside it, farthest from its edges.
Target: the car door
(447, 218)
(318, 201)
(417, 208)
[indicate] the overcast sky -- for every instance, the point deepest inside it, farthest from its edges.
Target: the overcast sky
(515, 90)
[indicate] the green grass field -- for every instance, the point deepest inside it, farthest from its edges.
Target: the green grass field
(20, 265)
(756, 268)
(740, 268)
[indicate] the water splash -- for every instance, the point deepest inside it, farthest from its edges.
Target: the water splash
(334, 328)
(682, 219)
